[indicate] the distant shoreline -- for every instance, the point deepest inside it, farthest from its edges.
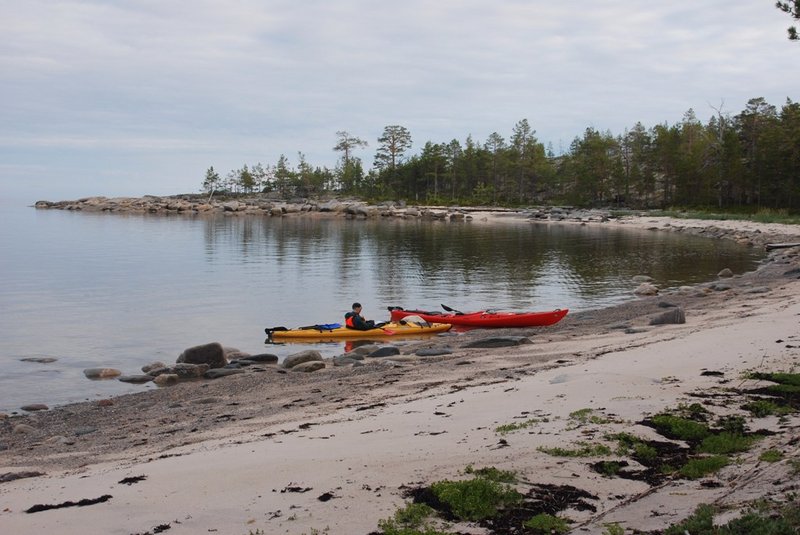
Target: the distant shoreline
(743, 232)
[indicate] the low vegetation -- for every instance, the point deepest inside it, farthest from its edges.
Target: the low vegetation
(493, 500)
(510, 428)
(545, 523)
(761, 519)
(584, 449)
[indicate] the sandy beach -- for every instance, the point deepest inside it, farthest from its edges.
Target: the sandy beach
(334, 451)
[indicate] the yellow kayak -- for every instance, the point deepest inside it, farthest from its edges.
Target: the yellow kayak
(320, 332)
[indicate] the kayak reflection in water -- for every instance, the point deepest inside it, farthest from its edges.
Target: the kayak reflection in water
(354, 319)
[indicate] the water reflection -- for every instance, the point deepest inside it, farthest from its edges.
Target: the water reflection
(421, 263)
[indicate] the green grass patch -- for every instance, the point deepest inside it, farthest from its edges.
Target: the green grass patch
(583, 450)
(680, 428)
(510, 428)
(475, 499)
(763, 408)
(493, 474)
(795, 466)
(700, 467)
(693, 411)
(587, 416)
(755, 521)
(631, 445)
(613, 529)
(778, 377)
(547, 524)
(608, 468)
(724, 443)
(414, 519)
(771, 456)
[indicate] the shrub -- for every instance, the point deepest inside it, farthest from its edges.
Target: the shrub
(762, 408)
(546, 523)
(680, 428)
(697, 468)
(475, 499)
(585, 450)
(493, 474)
(771, 456)
(410, 520)
(727, 443)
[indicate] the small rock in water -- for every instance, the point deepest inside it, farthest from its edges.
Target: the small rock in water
(135, 379)
(646, 289)
(147, 368)
(39, 360)
(212, 354)
(101, 373)
(725, 273)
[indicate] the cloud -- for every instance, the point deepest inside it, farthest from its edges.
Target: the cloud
(180, 86)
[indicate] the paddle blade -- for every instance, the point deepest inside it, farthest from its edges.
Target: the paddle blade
(447, 308)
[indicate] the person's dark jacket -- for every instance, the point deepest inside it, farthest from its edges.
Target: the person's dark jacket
(356, 321)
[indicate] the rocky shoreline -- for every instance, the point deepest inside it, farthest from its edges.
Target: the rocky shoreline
(264, 205)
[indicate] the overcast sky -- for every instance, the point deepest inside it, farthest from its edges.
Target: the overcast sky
(136, 97)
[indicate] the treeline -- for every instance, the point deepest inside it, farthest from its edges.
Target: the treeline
(750, 160)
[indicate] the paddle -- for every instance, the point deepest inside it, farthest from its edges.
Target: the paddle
(447, 308)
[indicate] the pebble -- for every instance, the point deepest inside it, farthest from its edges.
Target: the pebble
(23, 429)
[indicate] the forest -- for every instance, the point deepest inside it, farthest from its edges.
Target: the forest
(744, 162)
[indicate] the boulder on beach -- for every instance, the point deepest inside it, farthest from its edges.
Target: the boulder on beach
(671, 316)
(222, 372)
(309, 366)
(385, 351)
(299, 358)
(166, 379)
(183, 370)
(263, 358)
(211, 354)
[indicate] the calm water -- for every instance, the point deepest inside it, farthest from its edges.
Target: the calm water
(121, 291)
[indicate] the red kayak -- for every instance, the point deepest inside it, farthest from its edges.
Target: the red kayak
(485, 318)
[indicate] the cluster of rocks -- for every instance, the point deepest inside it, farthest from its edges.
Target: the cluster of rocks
(266, 205)
(260, 205)
(212, 361)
